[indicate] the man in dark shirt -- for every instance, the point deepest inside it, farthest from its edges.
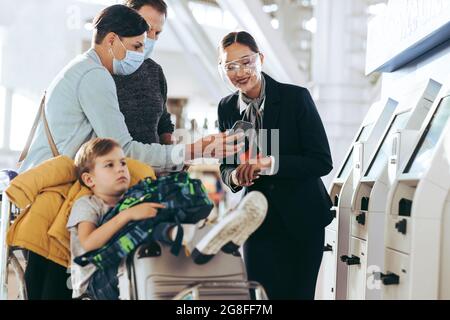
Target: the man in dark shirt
(143, 94)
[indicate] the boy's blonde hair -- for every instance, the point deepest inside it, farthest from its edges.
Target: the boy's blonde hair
(91, 150)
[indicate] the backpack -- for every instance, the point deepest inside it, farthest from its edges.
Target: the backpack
(185, 200)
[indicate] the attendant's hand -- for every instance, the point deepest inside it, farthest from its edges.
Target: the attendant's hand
(246, 174)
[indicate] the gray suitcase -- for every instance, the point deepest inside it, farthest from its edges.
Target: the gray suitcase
(152, 272)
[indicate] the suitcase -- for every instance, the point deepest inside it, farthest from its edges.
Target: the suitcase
(152, 272)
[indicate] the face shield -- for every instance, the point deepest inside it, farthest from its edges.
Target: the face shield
(242, 73)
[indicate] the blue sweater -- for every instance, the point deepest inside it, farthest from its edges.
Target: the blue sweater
(82, 104)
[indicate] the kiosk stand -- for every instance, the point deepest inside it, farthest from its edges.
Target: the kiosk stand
(366, 249)
(417, 225)
(329, 285)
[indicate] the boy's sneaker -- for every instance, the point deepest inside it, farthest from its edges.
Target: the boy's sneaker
(234, 229)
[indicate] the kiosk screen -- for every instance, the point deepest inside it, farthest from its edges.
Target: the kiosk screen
(383, 152)
(363, 135)
(421, 156)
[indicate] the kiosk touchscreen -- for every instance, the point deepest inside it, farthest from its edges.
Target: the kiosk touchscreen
(417, 225)
(366, 249)
(372, 128)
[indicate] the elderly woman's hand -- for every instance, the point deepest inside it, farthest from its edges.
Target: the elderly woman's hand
(218, 146)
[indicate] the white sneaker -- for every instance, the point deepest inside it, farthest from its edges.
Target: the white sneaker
(234, 229)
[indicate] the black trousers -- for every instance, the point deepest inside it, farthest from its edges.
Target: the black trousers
(46, 280)
(287, 268)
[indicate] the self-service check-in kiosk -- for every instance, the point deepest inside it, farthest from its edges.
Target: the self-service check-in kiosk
(366, 250)
(417, 224)
(336, 234)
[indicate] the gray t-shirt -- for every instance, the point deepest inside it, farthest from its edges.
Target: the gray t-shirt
(86, 209)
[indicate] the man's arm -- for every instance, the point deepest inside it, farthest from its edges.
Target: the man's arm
(165, 125)
(166, 138)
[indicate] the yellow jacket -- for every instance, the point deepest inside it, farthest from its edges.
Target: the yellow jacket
(45, 194)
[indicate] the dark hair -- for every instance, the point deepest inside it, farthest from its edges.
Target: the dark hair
(241, 37)
(120, 19)
(91, 150)
(158, 5)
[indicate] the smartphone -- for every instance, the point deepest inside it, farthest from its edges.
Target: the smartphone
(244, 126)
(241, 125)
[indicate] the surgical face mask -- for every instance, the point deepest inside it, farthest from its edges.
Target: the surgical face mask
(149, 46)
(132, 61)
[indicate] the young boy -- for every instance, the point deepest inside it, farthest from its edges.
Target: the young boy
(101, 166)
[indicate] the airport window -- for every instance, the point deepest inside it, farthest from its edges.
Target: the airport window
(212, 15)
(23, 113)
(2, 115)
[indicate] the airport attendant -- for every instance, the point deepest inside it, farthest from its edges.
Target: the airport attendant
(285, 253)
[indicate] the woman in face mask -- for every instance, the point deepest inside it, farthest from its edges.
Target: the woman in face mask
(131, 60)
(143, 94)
(82, 104)
(285, 253)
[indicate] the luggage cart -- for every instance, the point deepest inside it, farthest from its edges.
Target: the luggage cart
(153, 273)
(9, 256)
(150, 272)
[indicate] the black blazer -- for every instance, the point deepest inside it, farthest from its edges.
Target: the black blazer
(298, 201)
